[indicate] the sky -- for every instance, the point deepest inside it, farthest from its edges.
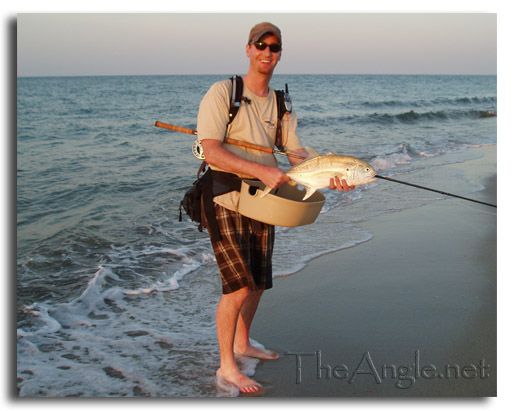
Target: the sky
(73, 44)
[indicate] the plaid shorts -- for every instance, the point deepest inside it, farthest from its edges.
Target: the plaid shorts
(244, 252)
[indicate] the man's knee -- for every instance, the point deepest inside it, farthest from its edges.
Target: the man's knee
(238, 297)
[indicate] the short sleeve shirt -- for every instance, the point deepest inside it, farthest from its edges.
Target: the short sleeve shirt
(255, 122)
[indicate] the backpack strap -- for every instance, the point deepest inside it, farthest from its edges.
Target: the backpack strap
(237, 96)
(283, 106)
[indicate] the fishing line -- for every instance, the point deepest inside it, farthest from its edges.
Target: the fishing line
(436, 191)
(475, 209)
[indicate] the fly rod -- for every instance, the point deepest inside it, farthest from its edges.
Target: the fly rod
(198, 151)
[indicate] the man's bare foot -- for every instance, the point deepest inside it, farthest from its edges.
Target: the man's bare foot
(262, 354)
(240, 381)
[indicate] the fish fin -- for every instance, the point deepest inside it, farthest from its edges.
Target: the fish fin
(311, 153)
(265, 192)
(310, 191)
(330, 154)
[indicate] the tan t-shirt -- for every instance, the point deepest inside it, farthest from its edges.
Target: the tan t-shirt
(255, 122)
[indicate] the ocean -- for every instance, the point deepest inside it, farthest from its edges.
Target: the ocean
(115, 296)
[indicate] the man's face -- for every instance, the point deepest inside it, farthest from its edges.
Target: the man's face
(264, 61)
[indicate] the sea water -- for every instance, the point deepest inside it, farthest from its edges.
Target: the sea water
(115, 296)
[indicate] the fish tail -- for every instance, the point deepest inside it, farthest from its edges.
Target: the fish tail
(265, 192)
(310, 191)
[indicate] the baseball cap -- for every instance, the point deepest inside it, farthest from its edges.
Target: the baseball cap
(261, 29)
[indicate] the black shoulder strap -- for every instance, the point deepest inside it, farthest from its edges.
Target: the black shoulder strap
(283, 106)
(235, 100)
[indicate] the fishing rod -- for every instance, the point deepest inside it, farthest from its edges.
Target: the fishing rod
(198, 152)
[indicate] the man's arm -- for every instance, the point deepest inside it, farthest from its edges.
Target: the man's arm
(218, 156)
(295, 160)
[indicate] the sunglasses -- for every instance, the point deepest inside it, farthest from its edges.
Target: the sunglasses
(260, 45)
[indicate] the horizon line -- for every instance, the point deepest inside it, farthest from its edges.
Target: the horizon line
(277, 74)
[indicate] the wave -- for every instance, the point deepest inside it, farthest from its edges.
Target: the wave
(413, 116)
(403, 117)
(457, 101)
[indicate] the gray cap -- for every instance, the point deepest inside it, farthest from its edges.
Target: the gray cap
(261, 29)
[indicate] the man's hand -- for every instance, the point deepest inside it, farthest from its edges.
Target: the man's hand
(337, 184)
(273, 177)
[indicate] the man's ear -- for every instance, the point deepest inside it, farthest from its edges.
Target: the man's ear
(248, 50)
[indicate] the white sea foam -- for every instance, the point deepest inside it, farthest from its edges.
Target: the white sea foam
(390, 161)
(48, 325)
(247, 366)
(111, 342)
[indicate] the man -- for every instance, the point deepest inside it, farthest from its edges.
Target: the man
(244, 252)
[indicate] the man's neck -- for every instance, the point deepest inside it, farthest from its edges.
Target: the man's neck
(258, 84)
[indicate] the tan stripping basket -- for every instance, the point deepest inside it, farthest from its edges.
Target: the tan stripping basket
(283, 208)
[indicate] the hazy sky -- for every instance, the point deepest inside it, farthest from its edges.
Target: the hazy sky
(214, 43)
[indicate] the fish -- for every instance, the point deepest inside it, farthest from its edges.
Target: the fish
(315, 172)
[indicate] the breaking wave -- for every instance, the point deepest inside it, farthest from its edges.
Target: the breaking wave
(407, 117)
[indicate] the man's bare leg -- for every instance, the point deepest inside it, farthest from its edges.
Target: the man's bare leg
(242, 344)
(227, 316)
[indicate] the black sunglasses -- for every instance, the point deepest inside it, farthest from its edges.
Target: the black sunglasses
(260, 45)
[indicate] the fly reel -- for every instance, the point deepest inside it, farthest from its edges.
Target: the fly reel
(198, 150)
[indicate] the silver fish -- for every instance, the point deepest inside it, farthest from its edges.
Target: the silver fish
(315, 173)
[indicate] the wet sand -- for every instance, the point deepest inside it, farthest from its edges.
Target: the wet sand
(410, 313)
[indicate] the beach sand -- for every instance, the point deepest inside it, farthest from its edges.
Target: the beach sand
(410, 313)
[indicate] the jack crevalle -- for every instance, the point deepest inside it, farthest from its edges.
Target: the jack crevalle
(315, 172)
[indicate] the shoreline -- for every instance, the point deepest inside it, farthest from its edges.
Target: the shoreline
(412, 312)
